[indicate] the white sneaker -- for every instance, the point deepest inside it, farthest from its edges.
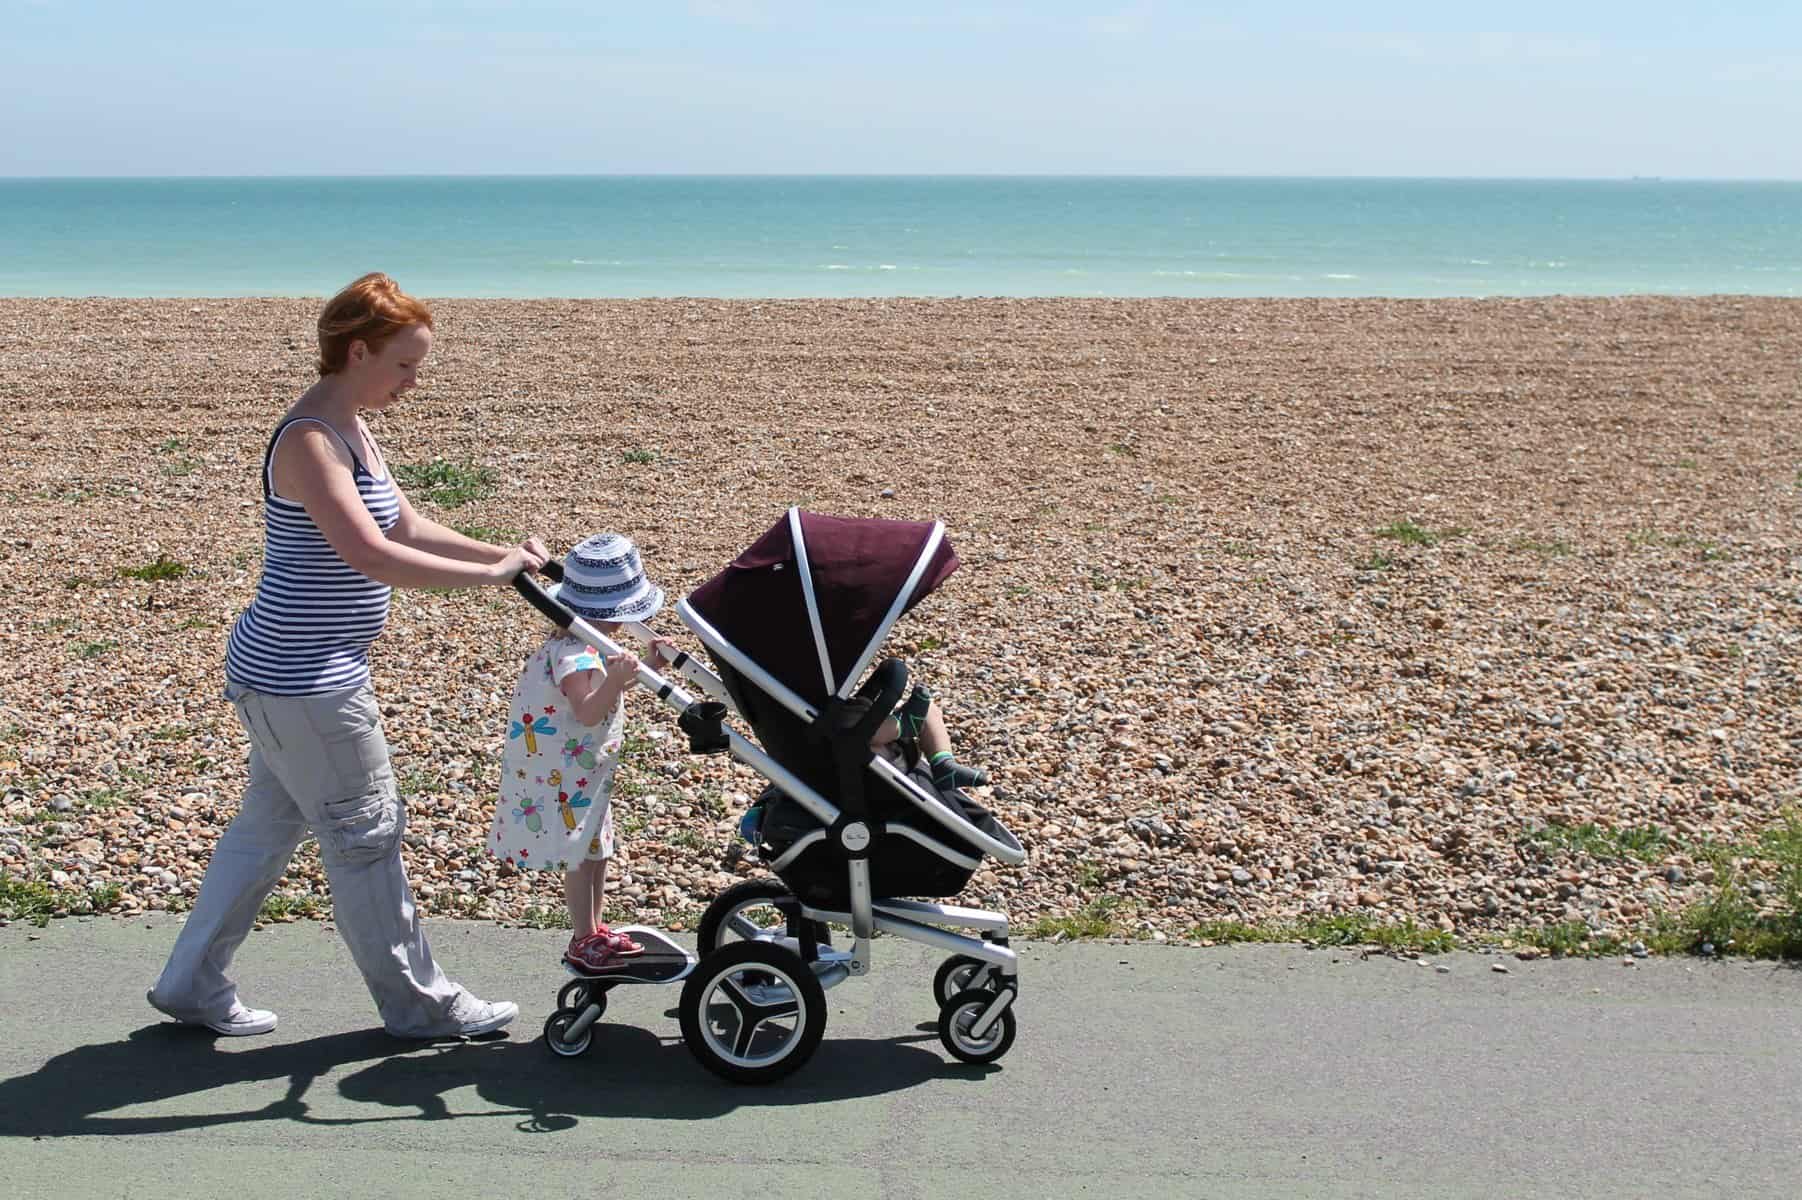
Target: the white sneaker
(472, 1017)
(239, 1022)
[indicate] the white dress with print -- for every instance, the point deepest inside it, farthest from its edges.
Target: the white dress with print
(556, 773)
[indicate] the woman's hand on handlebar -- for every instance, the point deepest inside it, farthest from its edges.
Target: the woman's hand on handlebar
(527, 556)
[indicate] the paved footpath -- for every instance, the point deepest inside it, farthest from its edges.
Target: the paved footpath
(1140, 1071)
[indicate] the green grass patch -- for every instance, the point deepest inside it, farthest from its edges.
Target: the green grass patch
(538, 917)
(196, 623)
(1340, 929)
(1569, 939)
(688, 839)
(102, 799)
(489, 534)
(1647, 843)
(92, 649)
(445, 483)
(638, 455)
(27, 900)
(163, 568)
(1096, 919)
(277, 907)
(36, 901)
(1556, 548)
(1708, 550)
(1225, 933)
(1375, 561)
(1123, 449)
(1410, 534)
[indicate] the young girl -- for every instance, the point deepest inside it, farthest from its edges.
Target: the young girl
(564, 732)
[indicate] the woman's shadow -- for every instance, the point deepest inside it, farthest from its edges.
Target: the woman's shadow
(627, 1072)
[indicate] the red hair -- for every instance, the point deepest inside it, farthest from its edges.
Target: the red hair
(371, 310)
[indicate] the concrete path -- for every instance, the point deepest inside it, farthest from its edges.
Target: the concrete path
(1139, 1071)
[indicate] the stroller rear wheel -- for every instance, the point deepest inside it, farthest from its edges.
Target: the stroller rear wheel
(957, 1017)
(754, 910)
(753, 1012)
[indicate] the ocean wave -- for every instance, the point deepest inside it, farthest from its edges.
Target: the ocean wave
(1336, 275)
(597, 262)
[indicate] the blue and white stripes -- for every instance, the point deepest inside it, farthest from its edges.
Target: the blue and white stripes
(309, 629)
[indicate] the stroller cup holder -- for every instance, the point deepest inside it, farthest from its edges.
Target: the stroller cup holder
(701, 721)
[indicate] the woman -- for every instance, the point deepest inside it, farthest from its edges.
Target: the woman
(338, 534)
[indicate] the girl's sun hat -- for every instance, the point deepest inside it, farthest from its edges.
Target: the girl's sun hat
(603, 580)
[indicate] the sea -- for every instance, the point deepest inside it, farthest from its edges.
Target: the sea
(869, 236)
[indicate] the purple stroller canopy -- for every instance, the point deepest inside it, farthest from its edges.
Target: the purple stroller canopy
(812, 599)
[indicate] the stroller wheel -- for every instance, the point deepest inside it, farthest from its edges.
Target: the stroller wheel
(578, 994)
(753, 1012)
(574, 994)
(754, 910)
(957, 1017)
(556, 1028)
(960, 973)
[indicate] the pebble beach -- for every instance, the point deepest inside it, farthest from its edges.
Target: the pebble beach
(1428, 611)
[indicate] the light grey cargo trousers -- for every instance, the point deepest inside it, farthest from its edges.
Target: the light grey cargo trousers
(318, 764)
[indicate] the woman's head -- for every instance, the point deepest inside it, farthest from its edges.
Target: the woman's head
(360, 322)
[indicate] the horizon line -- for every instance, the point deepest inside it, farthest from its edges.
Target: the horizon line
(998, 175)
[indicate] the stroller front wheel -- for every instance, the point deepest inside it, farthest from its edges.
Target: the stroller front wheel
(575, 994)
(957, 1017)
(961, 973)
(556, 1029)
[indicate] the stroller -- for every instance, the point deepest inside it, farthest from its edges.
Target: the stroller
(851, 838)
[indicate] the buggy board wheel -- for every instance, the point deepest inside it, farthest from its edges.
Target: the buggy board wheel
(752, 910)
(752, 1012)
(957, 973)
(959, 1014)
(559, 1021)
(578, 994)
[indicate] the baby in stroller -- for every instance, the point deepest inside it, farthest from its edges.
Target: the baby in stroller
(853, 836)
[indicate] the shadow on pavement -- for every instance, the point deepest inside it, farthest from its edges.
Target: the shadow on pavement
(627, 1072)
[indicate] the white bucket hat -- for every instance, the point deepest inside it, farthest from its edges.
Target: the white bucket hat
(603, 580)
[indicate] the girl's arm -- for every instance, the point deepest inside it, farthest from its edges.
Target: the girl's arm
(314, 470)
(593, 695)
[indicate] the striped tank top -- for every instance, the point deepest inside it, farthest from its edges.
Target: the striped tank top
(310, 625)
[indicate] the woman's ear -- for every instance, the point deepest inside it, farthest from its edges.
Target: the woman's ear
(359, 350)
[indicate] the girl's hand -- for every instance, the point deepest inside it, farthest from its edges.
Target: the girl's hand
(663, 650)
(621, 671)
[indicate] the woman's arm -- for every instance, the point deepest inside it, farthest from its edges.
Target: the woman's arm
(423, 533)
(310, 467)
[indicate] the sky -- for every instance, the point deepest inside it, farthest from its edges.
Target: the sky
(1528, 89)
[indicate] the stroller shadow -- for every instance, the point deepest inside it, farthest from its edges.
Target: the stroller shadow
(627, 1072)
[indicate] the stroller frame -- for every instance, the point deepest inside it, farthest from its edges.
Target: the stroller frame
(982, 975)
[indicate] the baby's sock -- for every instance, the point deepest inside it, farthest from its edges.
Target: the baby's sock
(911, 717)
(947, 772)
